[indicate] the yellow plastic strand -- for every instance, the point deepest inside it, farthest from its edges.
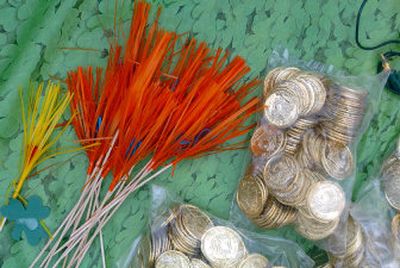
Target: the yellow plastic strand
(39, 124)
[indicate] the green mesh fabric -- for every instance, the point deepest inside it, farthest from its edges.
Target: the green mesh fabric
(34, 33)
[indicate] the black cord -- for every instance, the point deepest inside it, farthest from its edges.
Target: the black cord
(360, 10)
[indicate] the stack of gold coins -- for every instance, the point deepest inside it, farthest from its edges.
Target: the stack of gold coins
(294, 135)
(293, 95)
(253, 199)
(219, 246)
(275, 215)
(159, 243)
(285, 180)
(172, 258)
(345, 110)
(320, 215)
(187, 227)
(252, 195)
(278, 75)
(151, 246)
(329, 157)
(355, 247)
(391, 186)
(391, 181)
(313, 229)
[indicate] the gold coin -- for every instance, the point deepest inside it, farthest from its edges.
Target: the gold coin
(316, 93)
(186, 229)
(391, 184)
(251, 195)
(266, 141)
(326, 201)
(280, 171)
(337, 160)
(281, 109)
(172, 259)
(275, 215)
(278, 75)
(313, 229)
(195, 221)
(223, 247)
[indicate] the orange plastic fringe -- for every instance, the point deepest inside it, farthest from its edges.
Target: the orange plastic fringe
(167, 103)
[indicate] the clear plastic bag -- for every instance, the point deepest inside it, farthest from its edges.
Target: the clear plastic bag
(373, 214)
(181, 235)
(372, 238)
(304, 150)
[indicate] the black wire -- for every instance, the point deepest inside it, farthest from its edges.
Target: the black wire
(360, 10)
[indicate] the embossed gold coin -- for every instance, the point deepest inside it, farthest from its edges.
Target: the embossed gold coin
(267, 141)
(172, 259)
(187, 228)
(251, 195)
(278, 75)
(326, 200)
(223, 247)
(280, 171)
(281, 109)
(337, 160)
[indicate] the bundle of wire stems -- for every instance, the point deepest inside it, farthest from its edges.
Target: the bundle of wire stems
(158, 102)
(40, 121)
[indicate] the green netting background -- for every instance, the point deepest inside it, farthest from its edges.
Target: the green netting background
(33, 34)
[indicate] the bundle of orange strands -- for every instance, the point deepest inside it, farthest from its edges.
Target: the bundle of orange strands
(157, 103)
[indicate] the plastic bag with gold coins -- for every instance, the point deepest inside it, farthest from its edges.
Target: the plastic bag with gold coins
(184, 236)
(304, 150)
(373, 233)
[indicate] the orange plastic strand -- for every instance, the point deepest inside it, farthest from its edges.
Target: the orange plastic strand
(168, 103)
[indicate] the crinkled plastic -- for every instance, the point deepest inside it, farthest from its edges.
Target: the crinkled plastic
(374, 215)
(304, 150)
(175, 226)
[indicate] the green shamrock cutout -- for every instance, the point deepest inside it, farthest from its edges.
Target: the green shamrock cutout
(27, 218)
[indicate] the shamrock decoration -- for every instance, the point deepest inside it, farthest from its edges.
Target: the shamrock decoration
(27, 218)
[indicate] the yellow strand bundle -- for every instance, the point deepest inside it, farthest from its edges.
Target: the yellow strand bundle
(39, 124)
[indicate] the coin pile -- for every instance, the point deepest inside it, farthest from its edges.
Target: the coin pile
(301, 144)
(294, 135)
(187, 227)
(391, 187)
(355, 246)
(189, 239)
(310, 117)
(292, 95)
(263, 209)
(345, 108)
(267, 141)
(391, 178)
(152, 246)
(275, 214)
(329, 157)
(320, 216)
